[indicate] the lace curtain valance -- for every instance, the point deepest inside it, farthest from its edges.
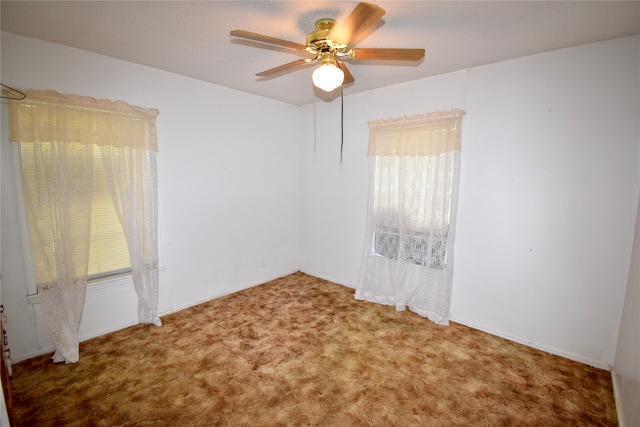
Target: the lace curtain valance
(421, 135)
(49, 116)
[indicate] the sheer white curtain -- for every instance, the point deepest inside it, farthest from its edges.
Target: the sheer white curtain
(133, 184)
(56, 135)
(57, 183)
(414, 167)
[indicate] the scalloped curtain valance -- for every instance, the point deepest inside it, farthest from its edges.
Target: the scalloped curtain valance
(48, 116)
(421, 135)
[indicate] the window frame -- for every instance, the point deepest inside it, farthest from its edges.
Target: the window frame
(22, 219)
(94, 282)
(433, 257)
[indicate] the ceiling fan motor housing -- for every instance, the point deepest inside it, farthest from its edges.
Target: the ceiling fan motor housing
(318, 41)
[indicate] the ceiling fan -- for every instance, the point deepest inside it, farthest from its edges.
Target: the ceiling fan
(330, 44)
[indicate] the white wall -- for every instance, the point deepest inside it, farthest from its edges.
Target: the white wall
(549, 191)
(626, 369)
(229, 194)
(548, 202)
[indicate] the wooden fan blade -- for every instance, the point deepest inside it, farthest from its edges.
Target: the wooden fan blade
(387, 54)
(348, 77)
(284, 67)
(361, 18)
(267, 39)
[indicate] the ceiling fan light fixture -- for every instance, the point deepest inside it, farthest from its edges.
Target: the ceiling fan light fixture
(330, 44)
(328, 76)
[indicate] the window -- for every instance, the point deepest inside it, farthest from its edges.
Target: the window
(415, 248)
(88, 175)
(108, 251)
(415, 191)
(407, 259)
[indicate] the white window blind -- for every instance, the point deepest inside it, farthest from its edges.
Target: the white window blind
(398, 182)
(108, 251)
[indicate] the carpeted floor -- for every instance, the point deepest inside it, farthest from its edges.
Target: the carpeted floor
(301, 351)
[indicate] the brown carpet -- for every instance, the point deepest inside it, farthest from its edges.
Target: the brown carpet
(301, 351)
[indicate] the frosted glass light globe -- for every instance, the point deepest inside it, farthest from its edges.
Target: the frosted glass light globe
(327, 77)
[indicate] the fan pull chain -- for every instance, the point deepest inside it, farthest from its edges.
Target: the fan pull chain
(315, 129)
(341, 122)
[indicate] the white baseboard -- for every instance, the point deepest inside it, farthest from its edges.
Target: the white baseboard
(616, 397)
(50, 349)
(31, 355)
(501, 334)
(327, 278)
(127, 282)
(465, 322)
(537, 346)
(181, 307)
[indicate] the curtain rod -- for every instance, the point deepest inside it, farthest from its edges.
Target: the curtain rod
(144, 114)
(418, 118)
(10, 89)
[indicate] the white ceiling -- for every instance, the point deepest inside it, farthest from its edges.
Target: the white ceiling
(192, 38)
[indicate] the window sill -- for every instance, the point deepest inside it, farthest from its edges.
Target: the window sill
(96, 285)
